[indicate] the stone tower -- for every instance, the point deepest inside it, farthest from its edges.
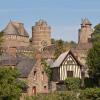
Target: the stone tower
(41, 34)
(84, 43)
(85, 32)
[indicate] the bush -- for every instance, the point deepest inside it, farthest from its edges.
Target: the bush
(90, 94)
(68, 95)
(90, 82)
(73, 83)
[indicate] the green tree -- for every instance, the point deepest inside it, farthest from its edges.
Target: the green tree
(93, 59)
(10, 89)
(59, 48)
(72, 83)
(47, 69)
(53, 41)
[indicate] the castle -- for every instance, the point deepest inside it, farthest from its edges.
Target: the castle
(18, 51)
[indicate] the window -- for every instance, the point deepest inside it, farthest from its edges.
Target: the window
(42, 75)
(69, 73)
(45, 87)
(34, 73)
(35, 76)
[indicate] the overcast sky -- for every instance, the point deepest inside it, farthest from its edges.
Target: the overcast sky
(64, 16)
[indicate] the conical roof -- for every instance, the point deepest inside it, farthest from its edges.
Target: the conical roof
(85, 21)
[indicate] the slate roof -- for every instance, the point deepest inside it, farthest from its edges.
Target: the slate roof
(13, 28)
(61, 58)
(21, 62)
(25, 67)
(7, 60)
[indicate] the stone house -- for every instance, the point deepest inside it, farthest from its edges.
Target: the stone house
(31, 71)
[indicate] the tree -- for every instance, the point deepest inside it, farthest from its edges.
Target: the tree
(47, 69)
(53, 41)
(59, 48)
(93, 59)
(10, 89)
(72, 83)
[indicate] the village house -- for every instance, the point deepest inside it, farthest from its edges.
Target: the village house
(66, 65)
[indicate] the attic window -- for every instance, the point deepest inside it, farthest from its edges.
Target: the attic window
(70, 62)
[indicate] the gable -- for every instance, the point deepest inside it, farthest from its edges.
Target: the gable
(66, 57)
(69, 60)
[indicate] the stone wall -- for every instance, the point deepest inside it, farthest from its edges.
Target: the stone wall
(15, 41)
(37, 80)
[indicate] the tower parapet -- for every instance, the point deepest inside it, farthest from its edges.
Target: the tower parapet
(41, 34)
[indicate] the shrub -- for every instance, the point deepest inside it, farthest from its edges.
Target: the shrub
(68, 95)
(89, 82)
(90, 94)
(73, 83)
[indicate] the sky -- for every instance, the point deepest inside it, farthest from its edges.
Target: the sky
(64, 16)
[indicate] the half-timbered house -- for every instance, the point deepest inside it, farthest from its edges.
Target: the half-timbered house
(66, 66)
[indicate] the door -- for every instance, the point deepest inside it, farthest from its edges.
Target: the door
(34, 90)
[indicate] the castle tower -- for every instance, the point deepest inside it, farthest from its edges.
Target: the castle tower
(41, 34)
(85, 32)
(15, 35)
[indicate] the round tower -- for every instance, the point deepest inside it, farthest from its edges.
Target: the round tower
(41, 34)
(85, 32)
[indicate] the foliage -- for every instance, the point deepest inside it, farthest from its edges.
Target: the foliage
(30, 55)
(67, 95)
(47, 69)
(72, 83)
(89, 82)
(90, 94)
(93, 59)
(53, 41)
(59, 48)
(62, 46)
(10, 89)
